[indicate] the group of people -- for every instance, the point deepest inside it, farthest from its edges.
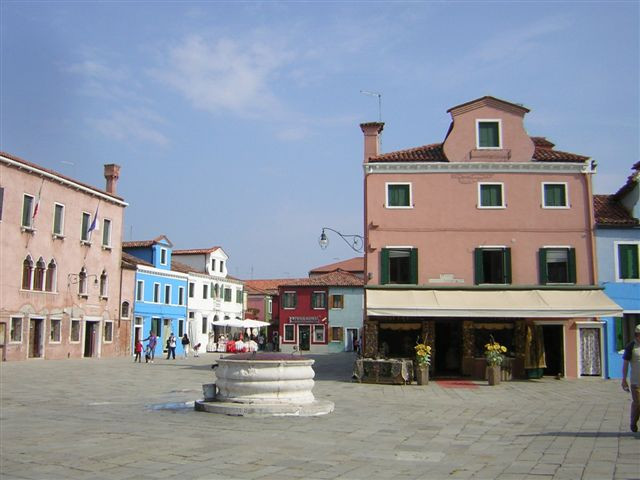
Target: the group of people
(240, 343)
(150, 349)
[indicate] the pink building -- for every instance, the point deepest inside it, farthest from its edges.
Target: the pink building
(60, 252)
(489, 233)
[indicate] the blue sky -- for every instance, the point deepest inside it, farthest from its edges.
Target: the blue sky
(237, 123)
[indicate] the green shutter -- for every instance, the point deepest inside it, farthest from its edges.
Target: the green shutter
(413, 266)
(571, 259)
(478, 273)
(542, 260)
(618, 333)
(628, 261)
(384, 266)
(507, 265)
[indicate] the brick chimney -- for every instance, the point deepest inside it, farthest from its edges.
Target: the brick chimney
(112, 173)
(371, 138)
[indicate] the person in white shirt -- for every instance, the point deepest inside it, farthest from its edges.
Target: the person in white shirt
(240, 346)
(631, 367)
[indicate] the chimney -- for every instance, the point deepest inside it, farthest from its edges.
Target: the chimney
(371, 139)
(112, 173)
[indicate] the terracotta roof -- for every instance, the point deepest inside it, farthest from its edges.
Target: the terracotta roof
(608, 211)
(632, 180)
(131, 261)
(490, 100)
(53, 172)
(426, 153)
(269, 287)
(434, 152)
(183, 268)
(145, 243)
(338, 278)
(353, 265)
(195, 251)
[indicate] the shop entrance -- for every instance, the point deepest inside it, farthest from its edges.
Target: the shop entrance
(553, 349)
(35, 337)
(398, 340)
(304, 334)
(91, 338)
(448, 351)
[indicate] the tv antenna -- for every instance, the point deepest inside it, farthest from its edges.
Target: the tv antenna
(375, 94)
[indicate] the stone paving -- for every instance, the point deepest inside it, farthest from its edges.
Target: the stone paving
(113, 419)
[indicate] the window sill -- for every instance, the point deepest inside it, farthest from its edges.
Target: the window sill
(498, 207)
(57, 236)
(104, 297)
(86, 243)
(566, 207)
(83, 295)
(107, 247)
(30, 230)
(399, 207)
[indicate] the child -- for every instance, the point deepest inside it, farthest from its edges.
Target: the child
(138, 350)
(195, 349)
(147, 354)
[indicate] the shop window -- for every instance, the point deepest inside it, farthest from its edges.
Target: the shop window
(493, 265)
(289, 332)
(318, 333)
(55, 330)
(502, 332)
(16, 329)
(557, 265)
(399, 266)
(74, 335)
(108, 331)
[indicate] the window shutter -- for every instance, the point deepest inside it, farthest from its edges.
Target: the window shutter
(619, 335)
(413, 266)
(571, 259)
(542, 260)
(478, 272)
(507, 265)
(384, 266)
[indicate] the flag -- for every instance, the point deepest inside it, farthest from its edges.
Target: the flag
(94, 224)
(37, 205)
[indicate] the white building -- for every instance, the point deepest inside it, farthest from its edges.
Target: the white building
(211, 294)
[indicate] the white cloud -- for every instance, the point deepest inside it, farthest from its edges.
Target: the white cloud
(131, 125)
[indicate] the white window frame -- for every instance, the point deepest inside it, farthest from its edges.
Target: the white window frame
(399, 207)
(167, 288)
(156, 293)
(16, 317)
(105, 222)
(270, 305)
(292, 328)
(295, 294)
(484, 120)
(58, 321)
(83, 284)
(599, 326)
(164, 254)
(79, 323)
(324, 333)
(566, 196)
(333, 307)
(128, 303)
(180, 295)
(104, 287)
(492, 207)
(59, 234)
(616, 260)
(317, 292)
(139, 290)
(104, 331)
(28, 227)
(85, 237)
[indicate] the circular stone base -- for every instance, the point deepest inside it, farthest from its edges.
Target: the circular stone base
(317, 407)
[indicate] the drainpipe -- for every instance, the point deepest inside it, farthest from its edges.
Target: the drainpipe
(592, 222)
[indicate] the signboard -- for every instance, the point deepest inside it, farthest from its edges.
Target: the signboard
(304, 319)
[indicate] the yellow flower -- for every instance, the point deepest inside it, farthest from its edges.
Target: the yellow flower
(504, 349)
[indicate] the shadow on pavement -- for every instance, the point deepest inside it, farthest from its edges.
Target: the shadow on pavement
(583, 434)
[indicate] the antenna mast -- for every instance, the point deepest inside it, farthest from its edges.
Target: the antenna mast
(375, 94)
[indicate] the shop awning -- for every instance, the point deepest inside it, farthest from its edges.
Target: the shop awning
(491, 303)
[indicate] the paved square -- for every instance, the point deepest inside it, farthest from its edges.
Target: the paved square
(113, 419)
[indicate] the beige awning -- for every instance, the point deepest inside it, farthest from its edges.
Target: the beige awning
(491, 303)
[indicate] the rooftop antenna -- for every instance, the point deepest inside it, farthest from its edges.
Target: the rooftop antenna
(375, 94)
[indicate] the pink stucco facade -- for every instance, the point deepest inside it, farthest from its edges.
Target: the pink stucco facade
(67, 314)
(444, 219)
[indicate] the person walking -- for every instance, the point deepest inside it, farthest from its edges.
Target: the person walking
(153, 340)
(631, 367)
(185, 345)
(138, 350)
(171, 346)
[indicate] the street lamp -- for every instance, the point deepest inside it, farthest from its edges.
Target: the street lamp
(356, 242)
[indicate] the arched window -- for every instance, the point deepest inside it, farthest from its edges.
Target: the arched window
(38, 276)
(104, 284)
(50, 278)
(27, 271)
(82, 282)
(124, 313)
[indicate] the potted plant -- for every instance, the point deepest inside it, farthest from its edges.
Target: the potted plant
(494, 354)
(423, 357)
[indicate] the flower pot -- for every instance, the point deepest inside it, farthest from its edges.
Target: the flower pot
(493, 374)
(422, 375)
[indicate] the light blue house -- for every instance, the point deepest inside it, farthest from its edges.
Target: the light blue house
(618, 248)
(345, 317)
(160, 301)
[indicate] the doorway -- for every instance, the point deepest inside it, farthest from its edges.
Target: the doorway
(352, 337)
(91, 338)
(590, 352)
(448, 351)
(304, 335)
(553, 336)
(3, 340)
(166, 331)
(36, 337)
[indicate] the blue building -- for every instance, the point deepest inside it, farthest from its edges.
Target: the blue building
(160, 301)
(618, 244)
